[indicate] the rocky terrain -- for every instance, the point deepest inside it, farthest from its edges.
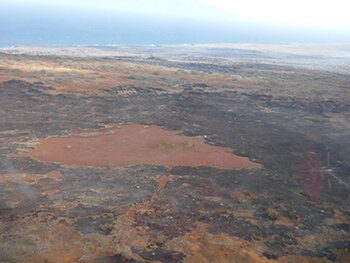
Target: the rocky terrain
(174, 154)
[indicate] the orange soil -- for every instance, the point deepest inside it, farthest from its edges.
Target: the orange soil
(135, 145)
(202, 247)
(65, 245)
(93, 77)
(221, 249)
(30, 178)
(6, 178)
(128, 236)
(34, 178)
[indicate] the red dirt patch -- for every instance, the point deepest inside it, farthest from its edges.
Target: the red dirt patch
(134, 145)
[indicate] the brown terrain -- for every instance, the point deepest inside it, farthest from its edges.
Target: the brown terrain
(174, 154)
(135, 144)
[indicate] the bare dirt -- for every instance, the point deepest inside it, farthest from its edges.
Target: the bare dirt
(134, 144)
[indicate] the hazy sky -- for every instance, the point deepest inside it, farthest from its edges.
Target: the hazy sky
(304, 13)
(310, 13)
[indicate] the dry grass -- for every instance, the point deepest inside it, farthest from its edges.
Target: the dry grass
(94, 76)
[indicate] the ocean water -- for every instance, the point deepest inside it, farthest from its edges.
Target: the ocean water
(45, 26)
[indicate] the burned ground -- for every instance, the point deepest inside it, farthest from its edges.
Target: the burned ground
(293, 208)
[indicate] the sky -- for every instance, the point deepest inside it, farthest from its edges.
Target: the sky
(234, 20)
(302, 13)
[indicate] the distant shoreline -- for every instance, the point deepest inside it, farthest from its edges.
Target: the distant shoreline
(329, 57)
(325, 49)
